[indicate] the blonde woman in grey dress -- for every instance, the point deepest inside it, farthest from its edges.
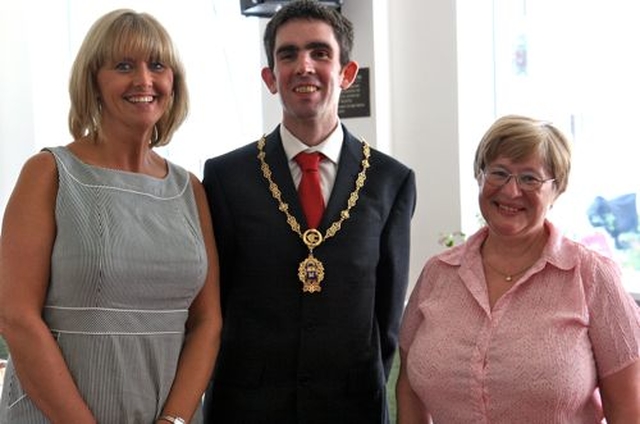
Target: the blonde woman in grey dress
(109, 298)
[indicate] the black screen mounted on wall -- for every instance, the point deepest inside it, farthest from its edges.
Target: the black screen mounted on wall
(267, 8)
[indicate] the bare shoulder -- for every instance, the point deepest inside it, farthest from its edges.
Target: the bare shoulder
(198, 189)
(200, 196)
(203, 209)
(29, 215)
(37, 182)
(194, 180)
(42, 165)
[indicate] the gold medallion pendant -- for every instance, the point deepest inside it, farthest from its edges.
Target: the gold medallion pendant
(311, 270)
(311, 273)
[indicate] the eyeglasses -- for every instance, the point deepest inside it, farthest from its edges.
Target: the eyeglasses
(526, 181)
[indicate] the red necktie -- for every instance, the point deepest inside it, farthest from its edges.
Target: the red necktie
(309, 189)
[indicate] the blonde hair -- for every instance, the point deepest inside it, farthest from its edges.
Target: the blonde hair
(517, 138)
(117, 34)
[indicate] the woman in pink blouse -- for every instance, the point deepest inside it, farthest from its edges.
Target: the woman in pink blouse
(520, 324)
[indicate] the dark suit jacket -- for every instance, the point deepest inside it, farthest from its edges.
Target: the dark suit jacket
(293, 357)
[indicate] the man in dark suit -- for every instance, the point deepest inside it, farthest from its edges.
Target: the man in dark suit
(310, 311)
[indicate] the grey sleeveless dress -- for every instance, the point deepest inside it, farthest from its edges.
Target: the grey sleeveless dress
(128, 260)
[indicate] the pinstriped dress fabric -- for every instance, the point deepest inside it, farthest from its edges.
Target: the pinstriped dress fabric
(127, 262)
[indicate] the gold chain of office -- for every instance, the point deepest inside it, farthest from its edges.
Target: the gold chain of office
(311, 270)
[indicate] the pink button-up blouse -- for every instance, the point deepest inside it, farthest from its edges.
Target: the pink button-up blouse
(537, 356)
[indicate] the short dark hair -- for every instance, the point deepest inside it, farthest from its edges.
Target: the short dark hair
(313, 11)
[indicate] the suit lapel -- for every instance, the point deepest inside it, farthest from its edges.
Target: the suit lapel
(348, 169)
(276, 158)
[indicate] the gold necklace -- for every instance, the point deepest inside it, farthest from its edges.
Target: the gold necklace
(507, 277)
(311, 270)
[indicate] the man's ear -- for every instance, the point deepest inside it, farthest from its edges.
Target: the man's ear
(349, 74)
(269, 79)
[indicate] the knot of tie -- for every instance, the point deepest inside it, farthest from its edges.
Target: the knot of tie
(308, 161)
(310, 190)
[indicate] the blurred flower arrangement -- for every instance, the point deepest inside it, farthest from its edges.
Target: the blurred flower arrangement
(458, 237)
(452, 239)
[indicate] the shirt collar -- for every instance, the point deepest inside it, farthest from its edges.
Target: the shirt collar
(558, 251)
(330, 146)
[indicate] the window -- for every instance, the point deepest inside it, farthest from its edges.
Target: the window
(573, 63)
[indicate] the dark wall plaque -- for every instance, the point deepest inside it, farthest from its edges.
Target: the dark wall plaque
(355, 101)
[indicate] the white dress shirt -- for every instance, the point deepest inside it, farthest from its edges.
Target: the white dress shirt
(330, 148)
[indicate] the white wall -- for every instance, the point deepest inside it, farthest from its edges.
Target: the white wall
(424, 116)
(22, 120)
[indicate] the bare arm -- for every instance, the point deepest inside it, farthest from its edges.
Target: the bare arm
(28, 233)
(203, 329)
(621, 395)
(410, 407)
